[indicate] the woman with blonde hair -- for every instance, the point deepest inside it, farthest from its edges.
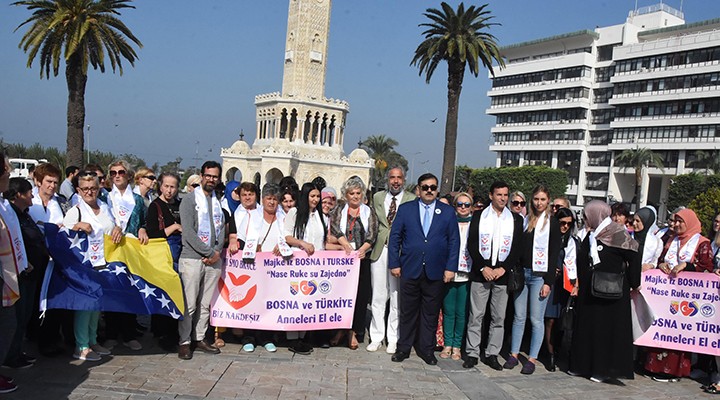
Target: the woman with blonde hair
(145, 184)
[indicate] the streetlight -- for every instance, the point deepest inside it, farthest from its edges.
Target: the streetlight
(87, 143)
(412, 165)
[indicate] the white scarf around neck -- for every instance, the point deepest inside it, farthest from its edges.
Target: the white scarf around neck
(541, 244)
(570, 259)
(464, 260)
(364, 218)
(676, 255)
(486, 233)
(208, 218)
(122, 206)
(594, 251)
(13, 225)
(96, 238)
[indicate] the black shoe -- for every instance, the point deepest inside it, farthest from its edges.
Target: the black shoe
(184, 352)
(428, 358)
(492, 362)
(400, 356)
(207, 348)
(50, 350)
(299, 347)
(470, 362)
(19, 363)
(551, 363)
(28, 358)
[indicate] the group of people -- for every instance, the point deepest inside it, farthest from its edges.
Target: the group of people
(423, 259)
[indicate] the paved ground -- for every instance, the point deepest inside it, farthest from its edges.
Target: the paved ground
(334, 373)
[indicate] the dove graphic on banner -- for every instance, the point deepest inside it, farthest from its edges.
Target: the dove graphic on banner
(137, 279)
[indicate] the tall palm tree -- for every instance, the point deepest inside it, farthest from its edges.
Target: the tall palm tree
(707, 160)
(382, 149)
(461, 39)
(637, 159)
(81, 33)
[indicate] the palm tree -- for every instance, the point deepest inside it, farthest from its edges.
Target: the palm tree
(460, 38)
(82, 33)
(707, 160)
(382, 149)
(637, 159)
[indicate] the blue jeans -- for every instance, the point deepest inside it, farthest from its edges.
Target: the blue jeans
(533, 285)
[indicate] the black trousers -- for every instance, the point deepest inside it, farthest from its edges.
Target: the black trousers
(362, 297)
(120, 326)
(420, 302)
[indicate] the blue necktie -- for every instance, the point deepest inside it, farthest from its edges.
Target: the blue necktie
(426, 220)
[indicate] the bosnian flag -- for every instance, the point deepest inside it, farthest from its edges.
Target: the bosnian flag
(138, 279)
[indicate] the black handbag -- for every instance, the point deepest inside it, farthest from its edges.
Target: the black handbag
(567, 315)
(516, 279)
(607, 285)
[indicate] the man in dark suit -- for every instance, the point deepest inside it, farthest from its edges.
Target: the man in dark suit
(423, 252)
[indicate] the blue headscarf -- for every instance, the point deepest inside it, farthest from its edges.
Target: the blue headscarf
(229, 188)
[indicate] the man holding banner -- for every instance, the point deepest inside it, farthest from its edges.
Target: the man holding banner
(423, 252)
(203, 235)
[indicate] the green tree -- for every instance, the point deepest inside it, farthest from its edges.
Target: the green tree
(81, 33)
(707, 160)
(523, 179)
(382, 149)
(706, 205)
(637, 159)
(461, 39)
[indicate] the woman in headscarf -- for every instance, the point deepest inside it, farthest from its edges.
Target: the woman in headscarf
(602, 337)
(715, 241)
(687, 250)
(231, 200)
(649, 246)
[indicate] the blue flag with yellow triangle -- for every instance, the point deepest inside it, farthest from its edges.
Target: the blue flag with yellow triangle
(138, 279)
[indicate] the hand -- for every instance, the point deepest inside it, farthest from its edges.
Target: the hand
(448, 276)
(574, 291)
(646, 267)
(499, 272)
(395, 272)
(309, 248)
(83, 226)
(678, 268)
(116, 235)
(143, 237)
(361, 252)
(233, 246)
(276, 251)
(545, 291)
(488, 274)
(664, 268)
(176, 227)
(717, 272)
(211, 260)
(348, 249)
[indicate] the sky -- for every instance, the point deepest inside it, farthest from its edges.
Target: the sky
(203, 62)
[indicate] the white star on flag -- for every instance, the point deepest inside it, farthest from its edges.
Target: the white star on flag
(119, 269)
(164, 300)
(86, 256)
(65, 230)
(76, 242)
(174, 314)
(133, 281)
(147, 291)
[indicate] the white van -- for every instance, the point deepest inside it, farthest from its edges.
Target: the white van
(19, 166)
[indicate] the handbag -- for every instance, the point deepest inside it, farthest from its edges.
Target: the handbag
(567, 315)
(516, 279)
(607, 285)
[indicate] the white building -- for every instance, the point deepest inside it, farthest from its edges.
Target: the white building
(575, 101)
(299, 131)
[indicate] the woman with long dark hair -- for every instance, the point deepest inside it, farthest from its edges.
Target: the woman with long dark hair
(542, 246)
(305, 230)
(566, 273)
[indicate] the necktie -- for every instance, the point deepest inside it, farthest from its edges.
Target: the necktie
(392, 211)
(426, 220)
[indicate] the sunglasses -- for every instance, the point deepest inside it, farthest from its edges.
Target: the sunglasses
(460, 204)
(428, 188)
(87, 173)
(556, 207)
(120, 172)
(151, 177)
(565, 223)
(195, 185)
(516, 203)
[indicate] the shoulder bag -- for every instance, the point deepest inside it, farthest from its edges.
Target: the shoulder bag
(607, 285)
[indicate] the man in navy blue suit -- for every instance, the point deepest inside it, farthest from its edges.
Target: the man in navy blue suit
(423, 252)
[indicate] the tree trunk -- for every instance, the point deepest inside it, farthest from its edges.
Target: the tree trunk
(76, 81)
(638, 184)
(456, 72)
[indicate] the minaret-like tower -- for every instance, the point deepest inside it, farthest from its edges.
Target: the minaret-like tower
(301, 114)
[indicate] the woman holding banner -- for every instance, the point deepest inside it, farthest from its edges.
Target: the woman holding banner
(602, 336)
(355, 225)
(305, 230)
(94, 218)
(687, 250)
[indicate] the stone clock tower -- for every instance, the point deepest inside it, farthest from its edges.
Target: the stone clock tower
(300, 132)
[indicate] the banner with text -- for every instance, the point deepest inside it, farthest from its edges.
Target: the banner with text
(685, 307)
(296, 294)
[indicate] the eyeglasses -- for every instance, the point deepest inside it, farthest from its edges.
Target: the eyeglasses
(556, 207)
(211, 177)
(87, 190)
(516, 203)
(151, 177)
(101, 178)
(460, 204)
(120, 172)
(428, 188)
(565, 223)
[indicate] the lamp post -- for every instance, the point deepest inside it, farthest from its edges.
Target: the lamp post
(412, 165)
(87, 144)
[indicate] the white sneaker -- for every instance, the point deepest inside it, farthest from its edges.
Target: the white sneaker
(100, 349)
(391, 348)
(373, 346)
(87, 355)
(110, 343)
(133, 345)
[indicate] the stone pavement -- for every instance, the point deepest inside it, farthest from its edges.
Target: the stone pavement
(337, 373)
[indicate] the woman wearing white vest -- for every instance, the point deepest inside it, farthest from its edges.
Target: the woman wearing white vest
(305, 230)
(355, 225)
(94, 218)
(542, 243)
